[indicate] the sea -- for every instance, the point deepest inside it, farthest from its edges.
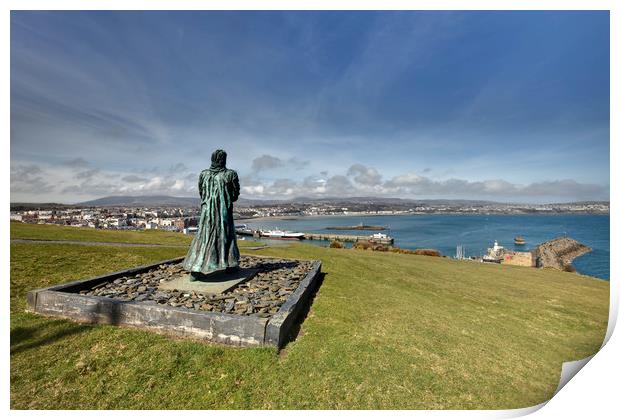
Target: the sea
(475, 233)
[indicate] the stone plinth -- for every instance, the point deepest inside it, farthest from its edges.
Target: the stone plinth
(214, 283)
(256, 329)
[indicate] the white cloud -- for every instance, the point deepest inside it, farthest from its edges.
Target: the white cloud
(75, 182)
(134, 178)
(268, 162)
(76, 163)
(364, 175)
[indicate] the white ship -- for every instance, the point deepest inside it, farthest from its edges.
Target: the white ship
(243, 230)
(381, 238)
(281, 234)
(495, 254)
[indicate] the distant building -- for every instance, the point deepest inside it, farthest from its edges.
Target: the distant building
(524, 259)
(181, 224)
(166, 222)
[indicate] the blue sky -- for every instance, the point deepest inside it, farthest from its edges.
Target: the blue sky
(507, 106)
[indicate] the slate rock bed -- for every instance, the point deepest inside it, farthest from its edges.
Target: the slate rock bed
(260, 296)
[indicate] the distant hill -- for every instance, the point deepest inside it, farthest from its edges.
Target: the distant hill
(155, 201)
(581, 203)
(390, 200)
(39, 206)
(170, 201)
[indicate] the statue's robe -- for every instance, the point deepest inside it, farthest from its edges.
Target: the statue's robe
(215, 245)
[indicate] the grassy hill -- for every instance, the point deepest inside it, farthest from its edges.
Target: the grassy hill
(385, 331)
(69, 233)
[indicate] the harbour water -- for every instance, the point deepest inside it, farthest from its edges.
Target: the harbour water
(474, 232)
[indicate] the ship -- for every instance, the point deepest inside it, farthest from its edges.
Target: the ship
(519, 240)
(281, 234)
(381, 238)
(243, 230)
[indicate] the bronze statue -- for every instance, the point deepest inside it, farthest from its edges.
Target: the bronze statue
(214, 248)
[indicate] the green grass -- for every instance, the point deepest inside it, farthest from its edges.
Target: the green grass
(69, 233)
(385, 331)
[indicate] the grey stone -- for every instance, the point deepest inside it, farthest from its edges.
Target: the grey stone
(281, 323)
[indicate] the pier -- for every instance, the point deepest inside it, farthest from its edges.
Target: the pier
(361, 226)
(348, 238)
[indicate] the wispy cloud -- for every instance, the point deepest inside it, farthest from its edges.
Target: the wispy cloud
(268, 162)
(310, 102)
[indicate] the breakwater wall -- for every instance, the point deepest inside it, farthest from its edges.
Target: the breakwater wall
(559, 253)
(347, 238)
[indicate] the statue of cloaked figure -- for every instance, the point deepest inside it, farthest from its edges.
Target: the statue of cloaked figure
(214, 248)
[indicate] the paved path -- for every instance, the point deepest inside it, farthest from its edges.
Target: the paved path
(67, 242)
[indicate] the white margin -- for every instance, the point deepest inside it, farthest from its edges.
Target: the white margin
(571, 400)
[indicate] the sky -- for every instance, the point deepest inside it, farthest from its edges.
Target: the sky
(505, 106)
